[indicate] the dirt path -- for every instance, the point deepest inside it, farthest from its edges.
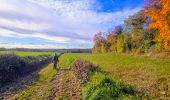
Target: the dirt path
(65, 86)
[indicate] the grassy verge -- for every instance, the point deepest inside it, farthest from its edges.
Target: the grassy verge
(41, 89)
(149, 75)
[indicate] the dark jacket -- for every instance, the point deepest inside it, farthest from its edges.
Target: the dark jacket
(55, 58)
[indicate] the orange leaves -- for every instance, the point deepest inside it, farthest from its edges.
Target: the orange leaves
(159, 11)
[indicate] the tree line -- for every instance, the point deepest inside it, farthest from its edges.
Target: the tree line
(146, 31)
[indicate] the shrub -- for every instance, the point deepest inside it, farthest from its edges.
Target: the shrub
(13, 67)
(108, 89)
(82, 69)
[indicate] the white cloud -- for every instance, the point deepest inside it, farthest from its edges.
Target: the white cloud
(19, 45)
(60, 21)
(41, 46)
(23, 24)
(57, 39)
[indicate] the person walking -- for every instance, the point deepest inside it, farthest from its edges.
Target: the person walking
(55, 61)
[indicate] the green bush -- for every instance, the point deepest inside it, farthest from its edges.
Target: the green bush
(108, 89)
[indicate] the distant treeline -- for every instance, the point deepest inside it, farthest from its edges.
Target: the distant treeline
(75, 50)
(146, 31)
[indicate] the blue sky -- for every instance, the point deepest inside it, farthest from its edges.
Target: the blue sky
(60, 23)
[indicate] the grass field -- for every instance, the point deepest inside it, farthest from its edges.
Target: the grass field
(26, 53)
(23, 53)
(149, 75)
(146, 76)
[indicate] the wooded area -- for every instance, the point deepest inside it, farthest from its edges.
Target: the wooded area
(146, 31)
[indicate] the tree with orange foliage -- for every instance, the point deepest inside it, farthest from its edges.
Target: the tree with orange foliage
(159, 11)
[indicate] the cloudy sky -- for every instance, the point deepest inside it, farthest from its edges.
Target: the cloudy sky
(60, 23)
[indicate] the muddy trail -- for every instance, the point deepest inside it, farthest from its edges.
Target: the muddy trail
(65, 86)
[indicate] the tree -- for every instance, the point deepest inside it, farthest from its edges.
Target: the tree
(112, 38)
(120, 44)
(135, 30)
(128, 42)
(100, 43)
(118, 30)
(99, 38)
(159, 11)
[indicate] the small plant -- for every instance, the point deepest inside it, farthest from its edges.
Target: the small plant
(82, 70)
(108, 89)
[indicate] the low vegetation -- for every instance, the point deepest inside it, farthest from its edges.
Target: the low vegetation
(13, 66)
(101, 76)
(102, 87)
(96, 85)
(82, 69)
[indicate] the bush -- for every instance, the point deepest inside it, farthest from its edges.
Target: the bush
(159, 46)
(82, 70)
(13, 67)
(108, 89)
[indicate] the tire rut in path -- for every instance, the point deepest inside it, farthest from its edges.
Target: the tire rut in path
(65, 86)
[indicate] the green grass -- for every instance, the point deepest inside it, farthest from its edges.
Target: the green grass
(67, 60)
(28, 53)
(41, 89)
(149, 75)
(100, 87)
(6, 52)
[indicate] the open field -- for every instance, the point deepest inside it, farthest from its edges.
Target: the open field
(117, 76)
(149, 75)
(23, 53)
(84, 49)
(26, 53)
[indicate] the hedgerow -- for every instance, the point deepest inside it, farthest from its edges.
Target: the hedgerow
(13, 66)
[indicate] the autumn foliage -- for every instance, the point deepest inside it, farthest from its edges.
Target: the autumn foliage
(159, 11)
(147, 31)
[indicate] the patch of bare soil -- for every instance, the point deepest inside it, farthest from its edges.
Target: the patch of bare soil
(65, 86)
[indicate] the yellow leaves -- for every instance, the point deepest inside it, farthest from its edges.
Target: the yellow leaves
(161, 20)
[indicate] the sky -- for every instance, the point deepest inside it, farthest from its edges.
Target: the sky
(56, 24)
